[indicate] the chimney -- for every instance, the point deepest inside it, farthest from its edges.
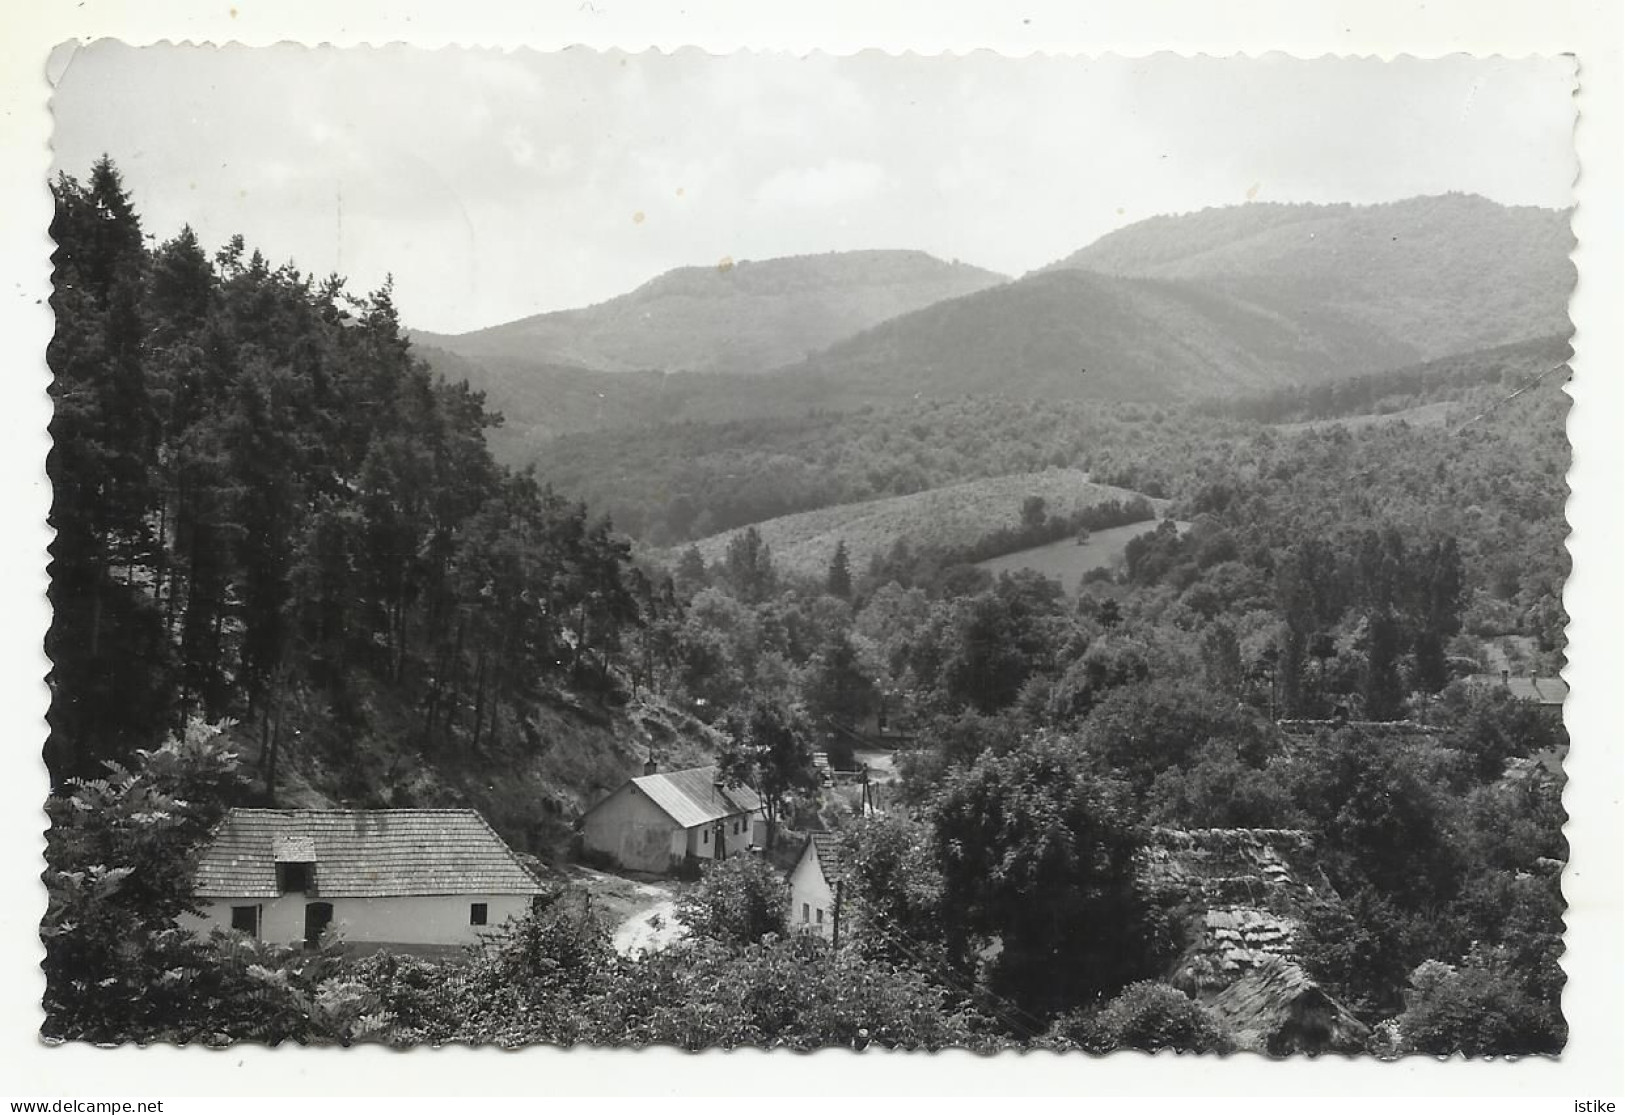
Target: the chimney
(649, 766)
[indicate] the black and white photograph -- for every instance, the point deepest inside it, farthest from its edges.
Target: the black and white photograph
(596, 548)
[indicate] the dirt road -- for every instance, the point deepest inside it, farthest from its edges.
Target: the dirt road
(649, 930)
(645, 910)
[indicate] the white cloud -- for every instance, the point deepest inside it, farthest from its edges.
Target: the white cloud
(836, 182)
(494, 185)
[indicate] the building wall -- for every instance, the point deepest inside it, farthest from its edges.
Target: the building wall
(634, 831)
(699, 841)
(810, 897)
(416, 920)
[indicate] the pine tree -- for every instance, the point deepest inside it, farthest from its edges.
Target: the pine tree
(838, 582)
(105, 642)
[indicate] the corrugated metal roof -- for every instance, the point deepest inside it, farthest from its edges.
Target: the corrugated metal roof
(362, 853)
(692, 797)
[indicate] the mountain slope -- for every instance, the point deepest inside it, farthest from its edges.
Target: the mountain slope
(1444, 274)
(540, 402)
(1204, 305)
(1228, 299)
(688, 479)
(1076, 334)
(745, 317)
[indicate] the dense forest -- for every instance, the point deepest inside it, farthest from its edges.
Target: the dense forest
(279, 535)
(267, 510)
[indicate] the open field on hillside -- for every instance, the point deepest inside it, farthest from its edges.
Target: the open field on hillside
(956, 515)
(1067, 561)
(1427, 414)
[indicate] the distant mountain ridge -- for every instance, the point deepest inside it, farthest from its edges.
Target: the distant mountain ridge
(1448, 273)
(744, 317)
(1077, 334)
(1245, 299)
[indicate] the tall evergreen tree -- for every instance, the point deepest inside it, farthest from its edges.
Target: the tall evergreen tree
(268, 509)
(838, 581)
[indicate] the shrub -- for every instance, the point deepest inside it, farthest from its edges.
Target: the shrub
(1481, 1009)
(738, 901)
(1145, 1015)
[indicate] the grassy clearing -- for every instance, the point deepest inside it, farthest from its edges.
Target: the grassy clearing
(956, 515)
(1067, 561)
(1427, 414)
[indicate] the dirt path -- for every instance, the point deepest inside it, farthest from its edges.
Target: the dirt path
(650, 929)
(645, 911)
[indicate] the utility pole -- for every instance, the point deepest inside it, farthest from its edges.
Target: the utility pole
(835, 933)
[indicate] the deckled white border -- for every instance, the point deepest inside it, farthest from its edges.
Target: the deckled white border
(1588, 28)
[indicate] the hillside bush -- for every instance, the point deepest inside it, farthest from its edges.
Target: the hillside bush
(737, 901)
(1146, 1015)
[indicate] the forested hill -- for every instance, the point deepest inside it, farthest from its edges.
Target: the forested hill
(1437, 274)
(268, 511)
(1246, 298)
(1249, 299)
(686, 480)
(1079, 335)
(731, 317)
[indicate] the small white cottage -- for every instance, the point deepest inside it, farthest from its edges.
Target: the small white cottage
(372, 876)
(656, 822)
(813, 886)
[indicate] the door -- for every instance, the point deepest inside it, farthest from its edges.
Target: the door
(318, 916)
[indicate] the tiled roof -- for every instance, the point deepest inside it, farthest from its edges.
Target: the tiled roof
(1276, 1008)
(1244, 891)
(827, 847)
(1228, 944)
(692, 797)
(287, 847)
(1542, 690)
(1272, 869)
(361, 853)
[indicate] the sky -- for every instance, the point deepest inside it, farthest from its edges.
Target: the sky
(495, 185)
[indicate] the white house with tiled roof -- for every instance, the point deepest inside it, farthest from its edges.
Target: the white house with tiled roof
(656, 822)
(812, 885)
(369, 876)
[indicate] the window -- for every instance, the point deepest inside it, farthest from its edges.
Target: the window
(294, 876)
(806, 912)
(246, 919)
(476, 913)
(820, 915)
(706, 836)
